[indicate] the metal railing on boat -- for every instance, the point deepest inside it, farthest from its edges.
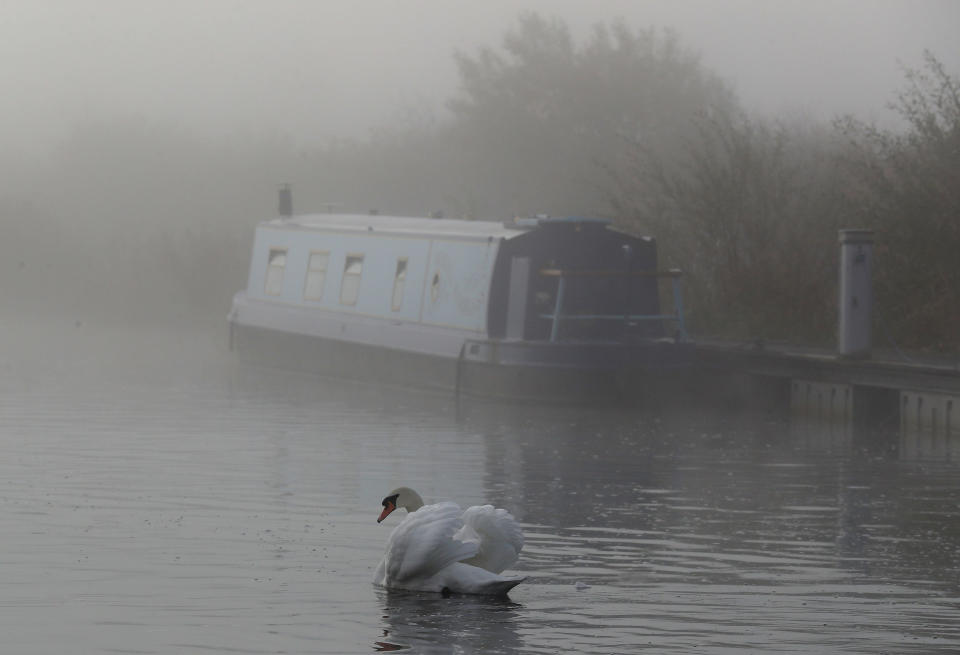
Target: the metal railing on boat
(558, 316)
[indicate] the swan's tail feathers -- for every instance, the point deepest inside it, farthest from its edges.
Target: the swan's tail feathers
(502, 586)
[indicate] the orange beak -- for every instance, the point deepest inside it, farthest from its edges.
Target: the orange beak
(387, 508)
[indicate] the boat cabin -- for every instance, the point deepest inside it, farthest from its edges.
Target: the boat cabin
(530, 279)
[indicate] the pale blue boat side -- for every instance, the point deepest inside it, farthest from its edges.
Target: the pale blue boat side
(447, 277)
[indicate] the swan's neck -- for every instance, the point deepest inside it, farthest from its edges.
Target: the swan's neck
(409, 500)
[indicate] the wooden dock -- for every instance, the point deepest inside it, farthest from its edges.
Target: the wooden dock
(912, 401)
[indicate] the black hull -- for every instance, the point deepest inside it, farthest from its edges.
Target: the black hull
(514, 371)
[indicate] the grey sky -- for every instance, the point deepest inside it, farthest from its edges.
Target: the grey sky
(316, 69)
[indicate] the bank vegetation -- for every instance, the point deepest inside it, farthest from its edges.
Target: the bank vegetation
(131, 220)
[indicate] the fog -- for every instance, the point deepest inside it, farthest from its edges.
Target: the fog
(142, 141)
(321, 70)
(159, 496)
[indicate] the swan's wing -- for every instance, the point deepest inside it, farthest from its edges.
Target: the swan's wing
(423, 544)
(500, 537)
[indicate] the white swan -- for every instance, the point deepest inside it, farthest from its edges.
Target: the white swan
(439, 548)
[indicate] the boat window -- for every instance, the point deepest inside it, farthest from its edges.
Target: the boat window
(316, 275)
(399, 281)
(276, 263)
(350, 287)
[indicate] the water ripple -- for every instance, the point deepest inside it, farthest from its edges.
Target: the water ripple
(235, 513)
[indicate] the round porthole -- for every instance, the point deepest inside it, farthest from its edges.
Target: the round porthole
(435, 287)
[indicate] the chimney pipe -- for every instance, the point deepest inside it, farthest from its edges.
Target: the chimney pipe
(286, 201)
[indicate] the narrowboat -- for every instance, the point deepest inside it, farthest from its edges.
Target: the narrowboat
(543, 309)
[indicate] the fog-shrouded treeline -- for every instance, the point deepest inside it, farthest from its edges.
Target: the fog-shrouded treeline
(133, 220)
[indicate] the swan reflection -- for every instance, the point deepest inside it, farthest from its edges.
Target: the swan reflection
(433, 624)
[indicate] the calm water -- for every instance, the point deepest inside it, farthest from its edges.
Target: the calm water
(179, 503)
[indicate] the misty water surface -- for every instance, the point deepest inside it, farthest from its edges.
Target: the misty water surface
(156, 498)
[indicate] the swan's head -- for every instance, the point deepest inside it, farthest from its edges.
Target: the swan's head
(404, 497)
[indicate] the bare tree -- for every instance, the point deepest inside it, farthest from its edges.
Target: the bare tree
(540, 119)
(749, 210)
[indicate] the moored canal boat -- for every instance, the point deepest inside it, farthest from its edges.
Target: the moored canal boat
(532, 309)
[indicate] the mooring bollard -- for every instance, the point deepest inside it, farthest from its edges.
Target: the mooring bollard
(856, 293)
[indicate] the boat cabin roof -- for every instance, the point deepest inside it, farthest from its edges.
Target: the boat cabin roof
(421, 227)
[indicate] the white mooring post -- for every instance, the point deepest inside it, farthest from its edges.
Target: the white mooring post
(856, 293)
